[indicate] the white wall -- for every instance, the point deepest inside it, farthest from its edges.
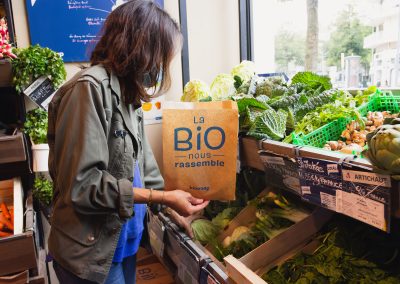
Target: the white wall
(213, 31)
(264, 28)
(213, 46)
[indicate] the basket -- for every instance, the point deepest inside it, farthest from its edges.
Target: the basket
(381, 101)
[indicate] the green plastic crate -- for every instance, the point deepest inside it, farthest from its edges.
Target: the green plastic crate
(332, 131)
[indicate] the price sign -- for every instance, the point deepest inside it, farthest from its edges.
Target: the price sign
(319, 181)
(366, 197)
(41, 92)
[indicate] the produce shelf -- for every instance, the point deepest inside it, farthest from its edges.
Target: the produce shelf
(281, 163)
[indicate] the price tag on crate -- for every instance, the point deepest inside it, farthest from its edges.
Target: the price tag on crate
(366, 196)
(319, 181)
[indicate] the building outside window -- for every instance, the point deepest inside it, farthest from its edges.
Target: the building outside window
(354, 42)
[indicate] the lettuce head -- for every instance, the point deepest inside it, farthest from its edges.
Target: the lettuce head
(194, 91)
(223, 87)
(245, 70)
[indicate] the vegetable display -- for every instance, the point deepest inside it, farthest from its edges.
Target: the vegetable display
(218, 214)
(355, 135)
(5, 46)
(6, 220)
(348, 252)
(274, 214)
(345, 251)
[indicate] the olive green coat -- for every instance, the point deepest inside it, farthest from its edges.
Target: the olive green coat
(92, 163)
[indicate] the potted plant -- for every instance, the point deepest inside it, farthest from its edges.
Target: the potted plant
(43, 193)
(36, 61)
(6, 55)
(36, 127)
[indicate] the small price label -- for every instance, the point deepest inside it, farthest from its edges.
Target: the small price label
(305, 190)
(328, 200)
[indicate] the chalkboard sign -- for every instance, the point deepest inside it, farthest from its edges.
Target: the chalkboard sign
(41, 91)
(319, 180)
(70, 27)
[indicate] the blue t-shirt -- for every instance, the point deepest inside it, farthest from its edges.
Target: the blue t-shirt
(132, 230)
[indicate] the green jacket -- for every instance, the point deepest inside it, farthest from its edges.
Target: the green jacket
(95, 140)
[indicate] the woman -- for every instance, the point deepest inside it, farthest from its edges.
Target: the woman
(98, 149)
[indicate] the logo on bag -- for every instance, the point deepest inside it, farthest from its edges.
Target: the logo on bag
(201, 140)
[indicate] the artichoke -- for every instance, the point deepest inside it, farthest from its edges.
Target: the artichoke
(384, 147)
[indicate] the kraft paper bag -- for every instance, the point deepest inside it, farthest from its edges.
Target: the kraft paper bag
(200, 148)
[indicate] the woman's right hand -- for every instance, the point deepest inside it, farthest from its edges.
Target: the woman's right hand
(183, 202)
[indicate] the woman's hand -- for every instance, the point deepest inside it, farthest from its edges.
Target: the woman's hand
(184, 222)
(183, 202)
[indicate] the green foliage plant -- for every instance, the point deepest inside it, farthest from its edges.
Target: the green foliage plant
(36, 125)
(36, 61)
(43, 190)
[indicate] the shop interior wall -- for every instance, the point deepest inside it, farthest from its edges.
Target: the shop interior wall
(213, 28)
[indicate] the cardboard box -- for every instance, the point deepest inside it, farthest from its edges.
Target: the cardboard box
(271, 253)
(150, 271)
(18, 250)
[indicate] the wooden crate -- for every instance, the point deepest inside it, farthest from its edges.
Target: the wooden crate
(5, 73)
(17, 278)
(18, 250)
(272, 252)
(12, 148)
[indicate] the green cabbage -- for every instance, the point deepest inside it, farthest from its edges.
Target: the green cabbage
(384, 147)
(204, 230)
(245, 70)
(194, 91)
(223, 87)
(270, 124)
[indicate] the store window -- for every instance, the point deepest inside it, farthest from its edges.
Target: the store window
(341, 39)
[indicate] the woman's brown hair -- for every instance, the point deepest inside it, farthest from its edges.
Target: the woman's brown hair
(138, 39)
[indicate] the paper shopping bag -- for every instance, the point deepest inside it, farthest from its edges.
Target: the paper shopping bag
(200, 148)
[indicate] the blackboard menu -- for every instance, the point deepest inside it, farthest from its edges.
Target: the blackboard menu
(41, 91)
(70, 27)
(319, 180)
